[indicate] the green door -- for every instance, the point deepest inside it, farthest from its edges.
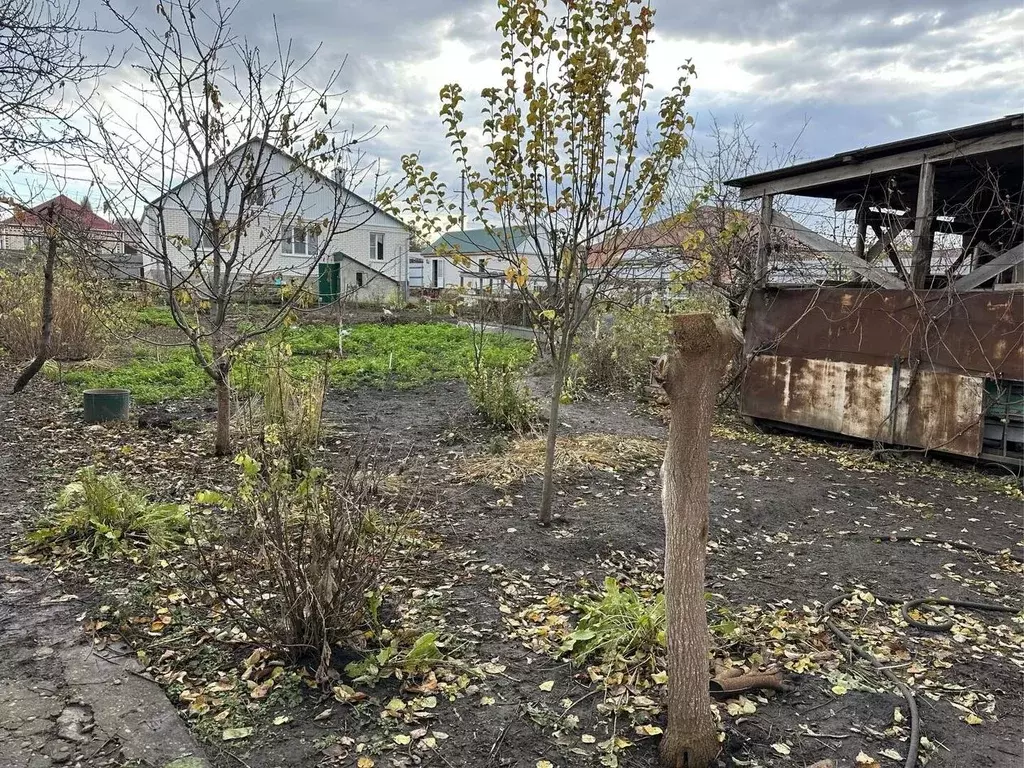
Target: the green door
(330, 282)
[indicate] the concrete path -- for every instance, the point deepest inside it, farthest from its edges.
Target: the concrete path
(64, 703)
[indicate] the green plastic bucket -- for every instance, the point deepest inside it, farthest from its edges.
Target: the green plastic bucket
(106, 405)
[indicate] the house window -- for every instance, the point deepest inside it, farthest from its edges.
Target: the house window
(259, 196)
(200, 237)
(377, 246)
(298, 241)
(359, 279)
(482, 265)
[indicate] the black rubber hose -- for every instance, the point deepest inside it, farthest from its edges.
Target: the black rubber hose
(905, 607)
(915, 720)
(947, 625)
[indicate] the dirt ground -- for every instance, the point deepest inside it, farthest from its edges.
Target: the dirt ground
(794, 522)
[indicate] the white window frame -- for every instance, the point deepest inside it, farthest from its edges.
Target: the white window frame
(289, 244)
(377, 246)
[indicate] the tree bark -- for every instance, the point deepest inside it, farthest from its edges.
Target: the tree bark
(222, 442)
(46, 322)
(699, 354)
(548, 493)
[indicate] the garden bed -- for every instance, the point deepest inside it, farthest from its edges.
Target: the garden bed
(793, 522)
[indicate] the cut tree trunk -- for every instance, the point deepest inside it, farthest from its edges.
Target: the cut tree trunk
(700, 350)
(46, 320)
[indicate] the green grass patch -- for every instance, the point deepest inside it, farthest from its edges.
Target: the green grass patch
(167, 374)
(155, 317)
(401, 356)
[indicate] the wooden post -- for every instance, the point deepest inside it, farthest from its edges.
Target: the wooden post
(700, 350)
(764, 242)
(924, 218)
(862, 230)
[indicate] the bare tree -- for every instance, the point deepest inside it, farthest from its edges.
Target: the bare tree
(564, 167)
(247, 169)
(700, 350)
(42, 66)
(712, 225)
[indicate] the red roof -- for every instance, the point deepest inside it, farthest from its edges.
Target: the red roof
(64, 207)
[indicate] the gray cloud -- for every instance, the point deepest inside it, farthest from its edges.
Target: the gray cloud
(830, 71)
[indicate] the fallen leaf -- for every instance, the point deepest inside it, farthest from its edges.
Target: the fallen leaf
(587, 738)
(547, 685)
(973, 719)
(648, 730)
(401, 738)
(839, 690)
(282, 719)
(781, 748)
(364, 762)
(230, 734)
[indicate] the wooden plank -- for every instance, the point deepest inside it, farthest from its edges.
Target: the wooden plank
(921, 261)
(985, 272)
(881, 165)
(764, 242)
(833, 251)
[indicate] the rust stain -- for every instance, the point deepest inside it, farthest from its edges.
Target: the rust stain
(827, 362)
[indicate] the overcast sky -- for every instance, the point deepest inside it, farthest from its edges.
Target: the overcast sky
(845, 74)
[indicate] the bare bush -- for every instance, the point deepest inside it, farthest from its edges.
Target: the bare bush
(309, 549)
(81, 323)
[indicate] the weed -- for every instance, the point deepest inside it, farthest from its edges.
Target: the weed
(102, 515)
(171, 374)
(618, 624)
(403, 355)
(155, 317)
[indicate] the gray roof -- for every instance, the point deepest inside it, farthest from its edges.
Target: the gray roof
(469, 241)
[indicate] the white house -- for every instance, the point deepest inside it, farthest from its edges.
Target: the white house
(489, 254)
(294, 218)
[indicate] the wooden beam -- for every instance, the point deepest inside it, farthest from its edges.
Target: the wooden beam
(887, 240)
(833, 251)
(764, 242)
(924, 238)
(852, 169)
(986, 272)
(862, 232)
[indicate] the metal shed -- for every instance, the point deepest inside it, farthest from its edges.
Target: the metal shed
(910, 350)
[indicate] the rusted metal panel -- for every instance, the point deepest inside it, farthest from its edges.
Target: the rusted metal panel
(935, 411)
(891, 366)
(941, 412)
(979, 333)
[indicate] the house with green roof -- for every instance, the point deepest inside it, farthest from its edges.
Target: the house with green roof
(490, 252)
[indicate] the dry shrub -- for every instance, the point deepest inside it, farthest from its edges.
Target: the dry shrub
(83, 316)
(500, 396)
(525, 457)
(292, 408)
(614, 354)
(309, 549)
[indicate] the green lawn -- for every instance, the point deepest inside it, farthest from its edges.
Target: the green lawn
(403, 355)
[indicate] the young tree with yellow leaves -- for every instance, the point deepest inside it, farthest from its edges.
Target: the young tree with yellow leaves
(568, 159)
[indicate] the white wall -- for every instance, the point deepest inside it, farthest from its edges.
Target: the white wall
(295, 195)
